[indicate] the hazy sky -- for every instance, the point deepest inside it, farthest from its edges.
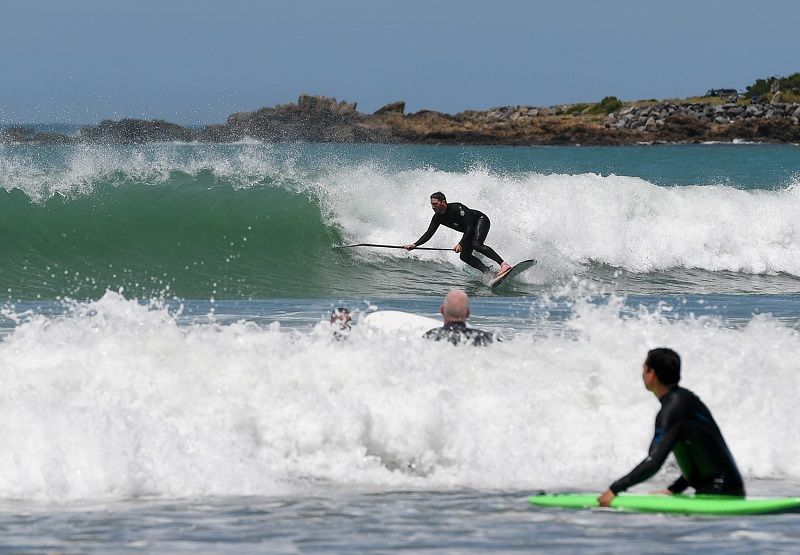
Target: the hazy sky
(192, 62)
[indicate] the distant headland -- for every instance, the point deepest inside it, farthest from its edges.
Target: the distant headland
(769, 111)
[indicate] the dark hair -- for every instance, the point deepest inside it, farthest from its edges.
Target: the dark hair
(340, 313)
(438, 195)
(666, 364)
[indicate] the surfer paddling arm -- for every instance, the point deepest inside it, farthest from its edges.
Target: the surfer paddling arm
(684, 426)
(472, 223)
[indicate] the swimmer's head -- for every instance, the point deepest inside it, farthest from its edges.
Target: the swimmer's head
(666, 363)
(456, 306)
(341, 317)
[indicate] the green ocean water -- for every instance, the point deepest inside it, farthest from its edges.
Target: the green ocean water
(182, 236)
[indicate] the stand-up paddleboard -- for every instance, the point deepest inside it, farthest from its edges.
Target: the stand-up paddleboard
(515, 270)
(682, 504)
(400, 322)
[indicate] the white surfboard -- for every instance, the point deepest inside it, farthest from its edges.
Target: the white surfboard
(400, 322)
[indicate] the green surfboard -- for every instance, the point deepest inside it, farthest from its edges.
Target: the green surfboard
(682, 504)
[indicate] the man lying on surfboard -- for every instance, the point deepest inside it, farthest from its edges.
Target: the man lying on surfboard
(685, 427)
(472, 223)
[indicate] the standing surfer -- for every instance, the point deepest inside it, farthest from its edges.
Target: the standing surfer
(472, 223)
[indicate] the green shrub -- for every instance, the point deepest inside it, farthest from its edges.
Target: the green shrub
(577, 108)
(763, 87)
(791, 83)
(606, 106)
(759, 88)
(790, 97)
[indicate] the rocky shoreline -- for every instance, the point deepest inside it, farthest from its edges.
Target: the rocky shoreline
(323, 119)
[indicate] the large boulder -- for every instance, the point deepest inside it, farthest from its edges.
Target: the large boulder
(683, 126)
(16, 134)
(20, 134)
(398, 107)
(135, 131)
(313, 118)
(309, 103)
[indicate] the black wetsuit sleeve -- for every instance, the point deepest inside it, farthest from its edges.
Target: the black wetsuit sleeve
(667, 432)
(435, 221)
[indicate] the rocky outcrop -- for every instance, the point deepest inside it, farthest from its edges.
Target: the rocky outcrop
(323, 119)
(313, 119)
(650, 118)
(17, 134)
(511, 125)
(134, 131)
(696, 122)
(398, 107)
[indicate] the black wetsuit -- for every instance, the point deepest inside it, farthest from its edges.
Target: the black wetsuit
(684, 426)
(475, 227)
(458, 333)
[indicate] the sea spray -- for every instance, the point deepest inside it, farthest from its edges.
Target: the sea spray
(116, 399)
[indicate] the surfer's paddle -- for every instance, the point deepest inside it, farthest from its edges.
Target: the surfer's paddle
(388, 247)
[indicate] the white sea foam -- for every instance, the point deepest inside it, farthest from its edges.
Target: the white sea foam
(566, 220)
(117, 400)
(85, 167)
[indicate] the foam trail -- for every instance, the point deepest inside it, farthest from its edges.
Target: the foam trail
(117, 400)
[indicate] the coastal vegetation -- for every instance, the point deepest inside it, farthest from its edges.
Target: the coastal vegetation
(606, 106)
(788, 88)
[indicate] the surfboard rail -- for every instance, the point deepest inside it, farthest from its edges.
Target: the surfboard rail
(717, 505)
(515, 270)
(397, 321)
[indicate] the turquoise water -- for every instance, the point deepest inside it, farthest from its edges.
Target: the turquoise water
(169, 379)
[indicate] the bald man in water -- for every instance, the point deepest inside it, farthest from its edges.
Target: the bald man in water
(455, 311)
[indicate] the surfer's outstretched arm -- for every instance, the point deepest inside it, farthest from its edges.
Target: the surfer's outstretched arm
(427, 235)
